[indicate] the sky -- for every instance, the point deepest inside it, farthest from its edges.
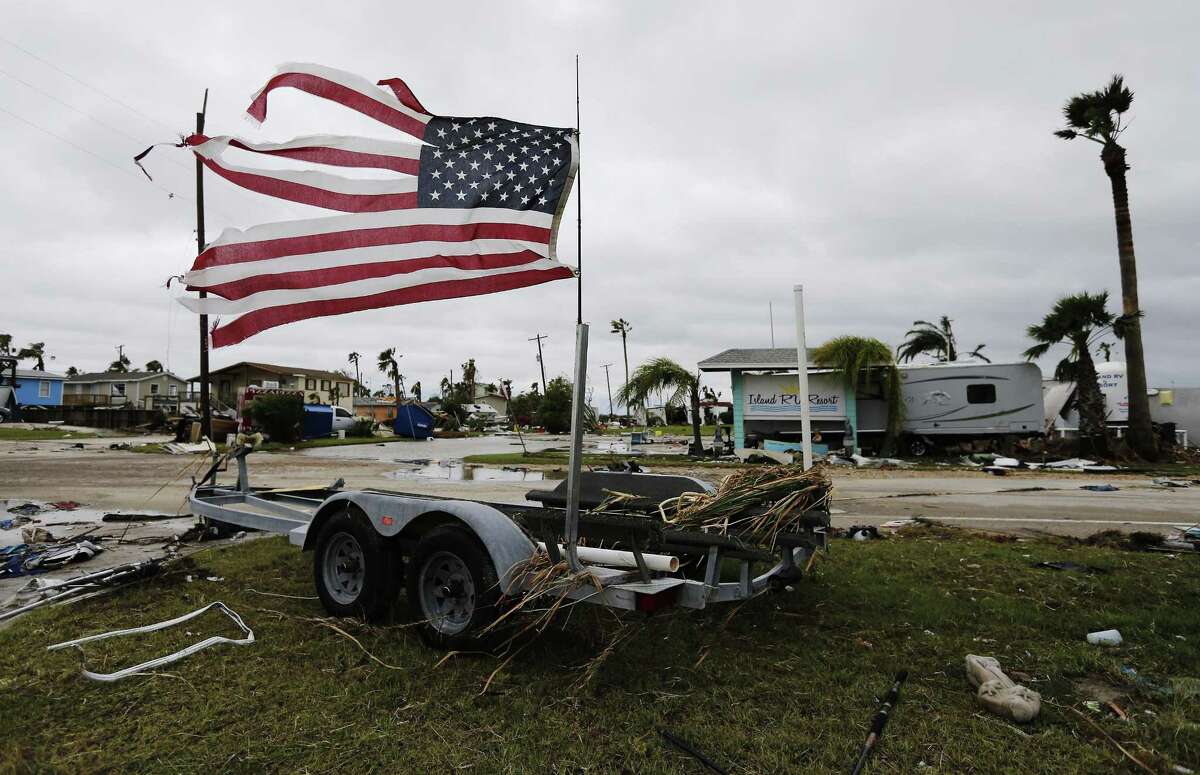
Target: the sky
(895, 159)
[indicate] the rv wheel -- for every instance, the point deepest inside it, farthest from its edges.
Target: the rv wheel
(357, 573)
(452, 587)
(918, 447)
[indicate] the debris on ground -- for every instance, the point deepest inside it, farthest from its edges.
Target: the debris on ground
(1099, 487)
(691, 751)
(163, 660)
(999, 693)
(185, 448)
(880, 721)
(116, 516)
(1163, 481)
(41, 591)
(1068, 565)
(1105, 638)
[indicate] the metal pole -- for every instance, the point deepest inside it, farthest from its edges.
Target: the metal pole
(578, 209)
(571, 528)
(541, 362)
(802, 364)
(771, 311)
(205, 404)
(609, 384)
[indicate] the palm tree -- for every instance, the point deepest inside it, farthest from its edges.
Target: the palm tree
(506, 391)
(468, 370)
(353, 358)
(415, 389)
(664, 374)
(1097, 116)
(120, 365)
(1078, 320)
(936, 340)
(389, 364)
(72, 371)
(446, 385)
(36, 351)
(854, 357)
(623, 327)
(6, 344)
(1105, 349)
(154, 367)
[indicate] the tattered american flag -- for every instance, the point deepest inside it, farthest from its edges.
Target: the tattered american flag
(473, 208)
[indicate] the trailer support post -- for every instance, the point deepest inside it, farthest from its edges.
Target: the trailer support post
(571, 528)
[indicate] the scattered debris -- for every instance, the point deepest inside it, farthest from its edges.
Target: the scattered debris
(42, 591)
(999, 693)
(897, 524)
(1068, 565)
(1163, 481)
(184, 448)
(26, 509)
(1104, 638)
(691, 750)
(115, 516)
(1099, 487)
(163, 660)
(880, 721)
(997, 470)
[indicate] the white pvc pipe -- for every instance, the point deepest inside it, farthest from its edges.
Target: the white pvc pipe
(618, 559)
(802, 371)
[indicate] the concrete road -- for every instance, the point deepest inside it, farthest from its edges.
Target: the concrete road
(1021, 502)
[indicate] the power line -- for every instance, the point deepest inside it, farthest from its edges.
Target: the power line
(82, 82)
(78, 147)
(84, 113)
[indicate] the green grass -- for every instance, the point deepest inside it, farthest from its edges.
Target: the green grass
(787, 683)
(555, 458)
(41, 434)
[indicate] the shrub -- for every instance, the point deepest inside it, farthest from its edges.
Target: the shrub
(280, 417)
(363, 427)
(554, 412)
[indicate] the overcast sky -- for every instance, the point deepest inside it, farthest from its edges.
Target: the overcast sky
(896, 159)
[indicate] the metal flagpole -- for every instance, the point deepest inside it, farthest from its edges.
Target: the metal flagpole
(802, 364)
(205, 404)
(571, 525)
(578, 204)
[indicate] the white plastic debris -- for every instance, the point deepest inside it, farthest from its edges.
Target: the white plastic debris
(1007, 462)
(999, 693)
(1104, 638)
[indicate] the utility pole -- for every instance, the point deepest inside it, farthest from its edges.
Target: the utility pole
(771, 311)
(205, 406)
(541, 363)
(120, 352)
(609, 384)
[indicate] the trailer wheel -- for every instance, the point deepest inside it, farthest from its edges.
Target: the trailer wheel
(452, 587)
(918, 447)
(356, 572)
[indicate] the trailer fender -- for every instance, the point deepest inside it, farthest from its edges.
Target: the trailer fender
(390, 515)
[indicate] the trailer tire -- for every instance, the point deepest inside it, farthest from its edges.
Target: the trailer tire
(357, 573)
(453, 588)
(918, 447)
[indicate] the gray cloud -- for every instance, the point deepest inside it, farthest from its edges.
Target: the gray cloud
(896, 161)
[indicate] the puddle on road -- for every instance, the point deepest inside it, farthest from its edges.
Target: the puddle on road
(456, 471)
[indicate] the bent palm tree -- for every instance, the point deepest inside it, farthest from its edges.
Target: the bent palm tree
(623, 327)
(354, 358)
(389, 364)
(665, 375)
(36, 351)
(936, 340)
(154, 367)
(854, 357)
(1077, 320)
(1096, 116)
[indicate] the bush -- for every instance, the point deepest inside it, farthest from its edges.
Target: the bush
(554, 412)
(279, 417)
(363, 428)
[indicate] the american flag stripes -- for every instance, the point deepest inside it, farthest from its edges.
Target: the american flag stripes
(472, 207)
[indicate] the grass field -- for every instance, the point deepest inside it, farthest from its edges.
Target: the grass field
(41, 434)
(785, 683)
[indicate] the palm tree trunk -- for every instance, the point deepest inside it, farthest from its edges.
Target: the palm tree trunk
(1141, 435)
(1093, 430)
(697, 443)
(625, 353)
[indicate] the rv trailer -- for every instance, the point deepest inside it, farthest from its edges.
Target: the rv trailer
(946, 403)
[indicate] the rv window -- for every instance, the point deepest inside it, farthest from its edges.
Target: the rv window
(981, 394)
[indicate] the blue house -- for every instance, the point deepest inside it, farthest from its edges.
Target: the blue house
(39, 388)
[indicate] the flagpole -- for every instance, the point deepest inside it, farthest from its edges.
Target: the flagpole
(578, 204)
(205, 404)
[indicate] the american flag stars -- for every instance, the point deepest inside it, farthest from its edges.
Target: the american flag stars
(476, 161)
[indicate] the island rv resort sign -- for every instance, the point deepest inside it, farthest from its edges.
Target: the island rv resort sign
(778, 396)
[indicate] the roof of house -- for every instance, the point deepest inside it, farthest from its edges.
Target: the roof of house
(284, 371)
(120, 376)
(753, 358)
(372, 401)
(35, 374)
